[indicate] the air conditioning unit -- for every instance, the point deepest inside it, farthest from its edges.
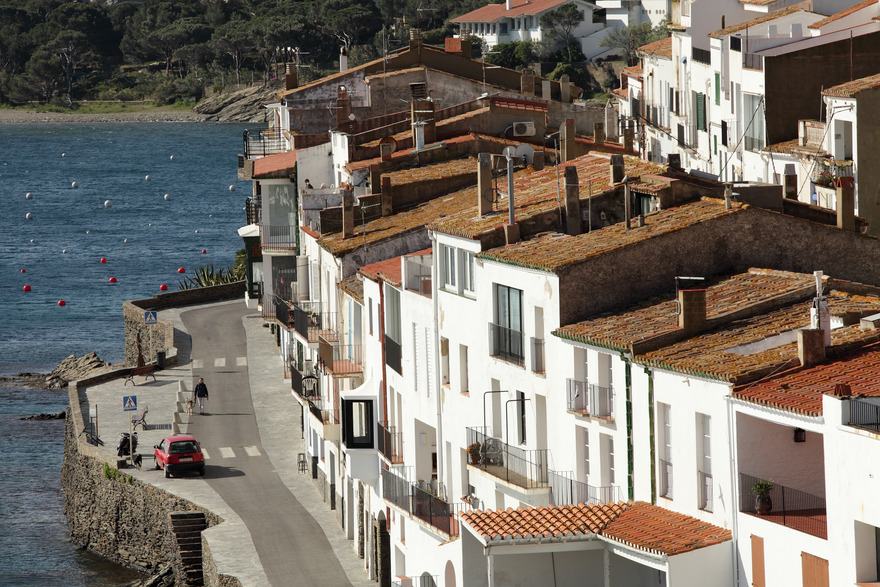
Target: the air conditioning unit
(524, 129)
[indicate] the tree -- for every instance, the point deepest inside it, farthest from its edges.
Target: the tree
(561, 22)
(234, 40)
(169, 39)
(352, 22)
(629, 39)
(72, 48)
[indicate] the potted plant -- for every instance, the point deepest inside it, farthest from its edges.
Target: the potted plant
(474, 452)
(763, 503)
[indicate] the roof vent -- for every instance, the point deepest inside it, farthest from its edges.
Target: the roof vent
(418, 90)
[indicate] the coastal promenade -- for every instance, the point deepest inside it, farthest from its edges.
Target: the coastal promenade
(276, 529)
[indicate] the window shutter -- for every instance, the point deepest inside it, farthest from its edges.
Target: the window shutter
(718, 89)
(724, 132)
(701, 111)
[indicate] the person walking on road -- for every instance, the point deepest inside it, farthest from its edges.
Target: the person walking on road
(201, 393)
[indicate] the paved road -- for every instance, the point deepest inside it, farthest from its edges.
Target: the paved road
(292, 547)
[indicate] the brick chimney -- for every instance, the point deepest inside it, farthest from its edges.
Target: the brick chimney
(617, 169)
(343, 107)
(572, 202)
(811, 346)
(566, 139)
(460, 46)
(422, 112)
(692, 310)
(846, 203)
(347, 216)
(387, 202)
(484, 184)
(527, 82)
(599, 132)
(290, 77)
(343, 59)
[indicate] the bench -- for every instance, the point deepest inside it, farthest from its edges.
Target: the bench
(146, 371)
(140, 418)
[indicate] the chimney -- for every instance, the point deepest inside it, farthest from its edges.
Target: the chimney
(846, 203)
(511, 229)
(422, 114)
(527, 82)
(842, 390)
(343, 59)
(538, 161)
(572, 202)
(484, 183)
(290, 77)
(566, 138)
(673, 160)
(509, 5)
(460, 46)
(415, 38)
(610, 122)
(385, 150)
(692, 310)
(820, 316)
(511, 233)
(617, 169)
(811, 350)
(347, 216)
(599, 132)
(387, 202)
(375, 177)
(628, 140)
(789, 182)
(627, 202)
(728, 196)
(343, 107)
(564, 89)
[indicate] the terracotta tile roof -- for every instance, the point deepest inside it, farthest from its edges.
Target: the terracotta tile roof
(660, 531)
(846, 12)
(850, 89)
(801, 389)
(555, 522)
(634, 71)
(786, 147)
(733, 29)
(555, 251)
(388, 270)
(434, 171)
(421, 253)
(757, 2)
(661, 48)
(405, 154)
(492, 12)
(623, 93)
(353, 285)
(725, 296)
(638, 525)
(273, 164)
(711, 354)
(535, 193)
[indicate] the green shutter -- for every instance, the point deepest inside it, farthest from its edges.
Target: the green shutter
(701, 111)
(718, 89)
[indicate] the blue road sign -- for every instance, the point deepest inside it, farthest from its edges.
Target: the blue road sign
(129, 403)
(150, 318)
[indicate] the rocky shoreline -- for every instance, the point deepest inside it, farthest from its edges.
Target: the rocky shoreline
(70, 369)
(157, 115)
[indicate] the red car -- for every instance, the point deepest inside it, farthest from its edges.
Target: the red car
(180, 453)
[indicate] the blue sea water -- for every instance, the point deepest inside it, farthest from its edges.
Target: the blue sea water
(144, 239)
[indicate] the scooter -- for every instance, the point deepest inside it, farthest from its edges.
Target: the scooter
(122, 447)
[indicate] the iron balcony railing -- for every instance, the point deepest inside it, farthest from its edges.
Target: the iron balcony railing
(305, 385)
(390, 443)
(253, 210)
(340, 359)
(538, 355)
(601, 401)
(259, 143)
(706, 491)
(506, 343)
(393, 354)
(565, 490)
(522, 467)
(665, 478)
(312, 324)
(588, 399)
(418, 277)
(578, 400)
(318, 408)
(864, 414)
(283, 313)
(790, 507)
(421, 504)
(753, 61)
(278, 236)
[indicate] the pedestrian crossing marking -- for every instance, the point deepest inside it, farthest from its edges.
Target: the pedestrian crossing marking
(220, 362)
(206, 455)
(241, 361)
(197, 364)
(252, 451)
(226, 452)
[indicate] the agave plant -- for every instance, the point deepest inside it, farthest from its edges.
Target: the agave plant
(207, 276)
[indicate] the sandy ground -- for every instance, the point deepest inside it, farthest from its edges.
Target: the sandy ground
(148, 115)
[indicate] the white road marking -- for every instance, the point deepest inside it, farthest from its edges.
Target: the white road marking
(205, 453)
(220, 362)
(241, 361)
(252, 451)
(197, 364)
(226, 452)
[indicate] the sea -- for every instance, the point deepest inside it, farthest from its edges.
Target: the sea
(93, 214)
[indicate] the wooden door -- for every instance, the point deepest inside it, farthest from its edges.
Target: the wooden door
(758, 561)
(815, 570)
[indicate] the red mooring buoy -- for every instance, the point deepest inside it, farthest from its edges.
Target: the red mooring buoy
(163, 287)
(23, 271)
(181, 270)
(103, 260)
(112, 280)
(62, 303)
(26, 288)
(204, 252)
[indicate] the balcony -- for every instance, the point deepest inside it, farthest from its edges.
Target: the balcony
(393, 354)
(506, 344)
(253, 211)
(418, 277)
(304, 385)
(864, 414)
(339, 359)
(538, 355)
(753, 61)
(325, 419)
(705, 491)
(790, 507)
(521, 467)
(283, 313)
(587, 399)
(564, 490)
(259, 143)
(390, 443)
(753, 143)
(278, 236)
(311, 323)
(578, 400)
(421, 504)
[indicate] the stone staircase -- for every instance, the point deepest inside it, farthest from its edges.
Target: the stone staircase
(187, 530)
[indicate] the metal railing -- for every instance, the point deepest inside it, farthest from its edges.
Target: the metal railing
(705, 491)
(340, 359)
(259, 143)
(538, 355)
(864, 414)
(565, 490)
(418, 277)
(506, 343)
(753, 61)
(753, 143)
(421, 504)
(703, 56)
(665, 478)
(390, 443)
(283, 313)
(311, 323)
(793, 508)
(253, 210)
(601, 401)
(278, 236)
(322, 413)
(522, 467)
(393, 354)
(578, 399)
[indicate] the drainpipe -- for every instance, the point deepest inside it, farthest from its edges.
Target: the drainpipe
(731, 439)
(606, 566)
(629, 429)
(435, 279)
(490, 567)
(382, 340)
(651, 439)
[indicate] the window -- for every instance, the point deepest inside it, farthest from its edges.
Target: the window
(467, 271)
(607, 443)
(463, 369)
(357, 423)
(700, 108)
(392, 329)
(664, 442)
(370, 307)
(506, 337)
(521, 415)
(704, 462)
(753, 118)
(448, 260)
(718, 89)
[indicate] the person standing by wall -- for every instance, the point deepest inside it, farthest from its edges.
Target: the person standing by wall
(201, 393)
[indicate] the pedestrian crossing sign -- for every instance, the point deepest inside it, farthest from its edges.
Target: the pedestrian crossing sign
(150, 318)
(129, 403)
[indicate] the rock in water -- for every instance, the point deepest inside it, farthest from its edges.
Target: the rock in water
(73, 369)
(58, 416)
(239, 106)
(164, 577)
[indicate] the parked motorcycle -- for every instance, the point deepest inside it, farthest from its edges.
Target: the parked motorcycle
(122, 447)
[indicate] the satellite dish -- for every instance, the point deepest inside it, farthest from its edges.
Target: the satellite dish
(509, 152)
(389, 141)
(525, 153)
